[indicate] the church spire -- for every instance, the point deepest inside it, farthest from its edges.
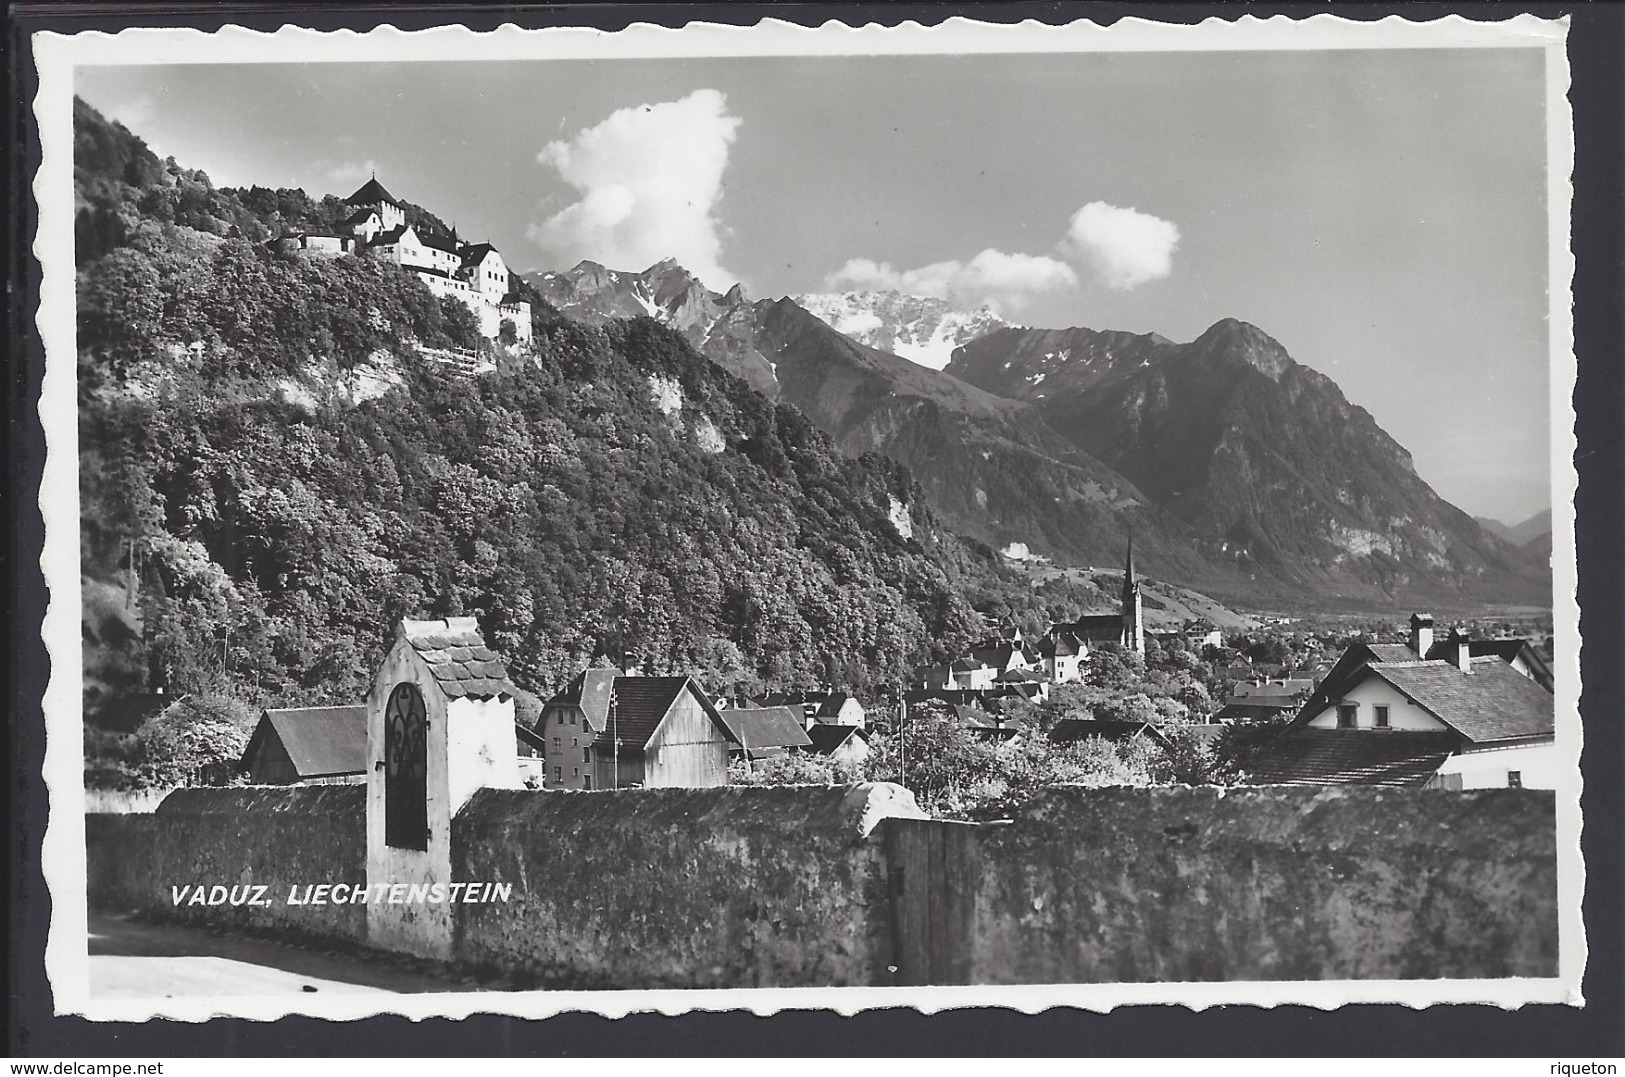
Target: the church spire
(1133, 614)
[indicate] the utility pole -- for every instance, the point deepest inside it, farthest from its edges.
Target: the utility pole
(902, 742)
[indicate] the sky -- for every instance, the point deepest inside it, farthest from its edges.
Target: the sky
(1381, 213)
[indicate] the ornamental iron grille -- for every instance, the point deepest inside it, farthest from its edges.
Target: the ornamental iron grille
(406, 770)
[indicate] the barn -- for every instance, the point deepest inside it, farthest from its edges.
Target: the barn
(311, 745)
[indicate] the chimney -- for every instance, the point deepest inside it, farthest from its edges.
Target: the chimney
(1421, 633)
(1459, 652)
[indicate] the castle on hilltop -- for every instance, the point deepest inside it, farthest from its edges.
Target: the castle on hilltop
(474, 273)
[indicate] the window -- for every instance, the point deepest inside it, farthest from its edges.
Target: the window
(1514, 779)
(586, 782)
(585, 756)
(1382, 716)
(575, 772)
(1345, 715)
(557, 741)
(558, 774)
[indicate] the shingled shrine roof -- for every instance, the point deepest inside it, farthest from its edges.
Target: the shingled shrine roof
(457, 657)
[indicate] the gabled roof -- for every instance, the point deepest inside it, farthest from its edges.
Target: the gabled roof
(438, 242)
(830, 706)
(1351, 756)
(1507, 650)
(588, 690)
(457, 657)
(392, 236)
(760, 728)
(529, 737)
(826, 739)
(474, 253)
(640, 704)
(1096, 628)
(361, 215)
(1059, 643)
(321, 742)
(1493, 703)
(371, 193)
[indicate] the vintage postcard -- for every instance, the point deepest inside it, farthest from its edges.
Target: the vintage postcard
(832, 517)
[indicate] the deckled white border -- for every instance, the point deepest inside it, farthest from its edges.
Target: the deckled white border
(64, 857)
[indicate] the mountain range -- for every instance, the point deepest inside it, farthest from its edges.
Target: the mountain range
(1236, 468)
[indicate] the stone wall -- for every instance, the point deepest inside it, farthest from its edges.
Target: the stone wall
(778, 887)
(1120, 885)
(722, 887)
(275, 836)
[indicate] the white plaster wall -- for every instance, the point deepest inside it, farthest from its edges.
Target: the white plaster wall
(1367, 694)
(421, 929)
(480, 748)
(1537, 764)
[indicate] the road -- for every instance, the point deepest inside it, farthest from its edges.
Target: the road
(131, 959)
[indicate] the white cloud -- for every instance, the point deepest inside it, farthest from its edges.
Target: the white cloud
(649, 179)
(1124, 247)
(1004, 282)
(350, 171)
(133, 112)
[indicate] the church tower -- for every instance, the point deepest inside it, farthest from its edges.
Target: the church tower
(1133, 619)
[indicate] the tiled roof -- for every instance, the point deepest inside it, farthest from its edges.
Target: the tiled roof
(1507, 650)
(827, 738)
(1096, 627)
(360, 215)
(438, 242)
(457, 657)
(1391, 652)
(371, 193)
(765, 727)
(1061, 643)
(529, 738)
(320, 741)
(1493, 703)
(1351, 756)
(830, 706)
(640, 704)
(588, 690)
(475, 253)
(391, 237)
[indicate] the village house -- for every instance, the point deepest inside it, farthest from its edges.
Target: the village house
(829, 706)
(308, 746)
(1388, 715)
(845, 744)
(1061, 657)
(1075, 730)
(609, 730)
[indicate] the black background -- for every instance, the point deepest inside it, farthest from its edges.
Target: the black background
(1558, 1033)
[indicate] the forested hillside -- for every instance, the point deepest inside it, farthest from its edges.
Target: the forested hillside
(249, 532)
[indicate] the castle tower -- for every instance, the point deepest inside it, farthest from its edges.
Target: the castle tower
(1133, 618)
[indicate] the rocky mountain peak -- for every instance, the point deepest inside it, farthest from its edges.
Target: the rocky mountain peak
(1236, 340)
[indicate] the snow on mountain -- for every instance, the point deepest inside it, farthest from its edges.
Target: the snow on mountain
(918, 328)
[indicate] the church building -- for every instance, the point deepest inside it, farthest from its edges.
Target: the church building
(1125, 628)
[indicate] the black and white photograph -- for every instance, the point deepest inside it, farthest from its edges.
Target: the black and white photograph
(975, 515)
